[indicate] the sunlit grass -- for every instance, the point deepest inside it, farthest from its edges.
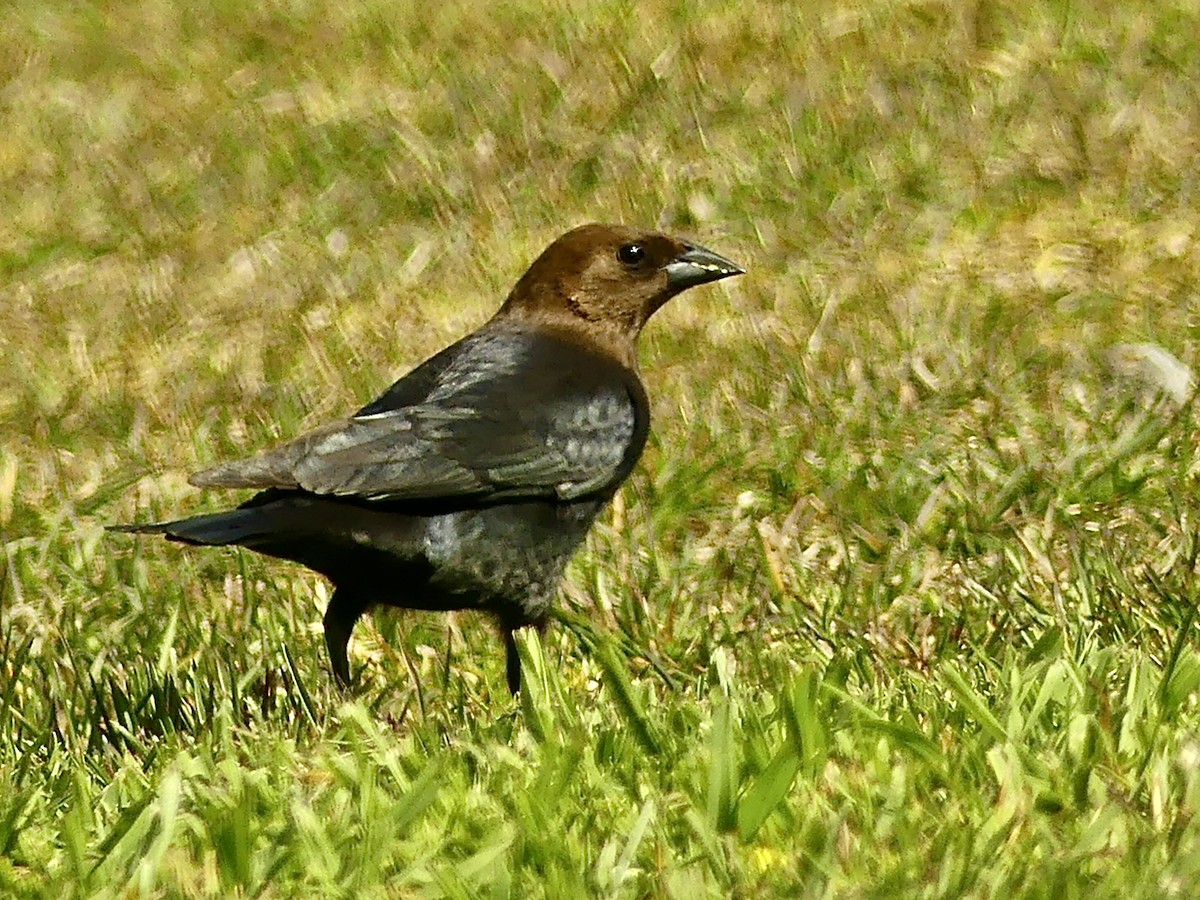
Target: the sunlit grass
(902, 599)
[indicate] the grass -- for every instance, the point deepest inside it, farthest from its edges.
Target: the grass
(901, 601)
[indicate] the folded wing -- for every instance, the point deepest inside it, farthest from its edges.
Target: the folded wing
(506, 415)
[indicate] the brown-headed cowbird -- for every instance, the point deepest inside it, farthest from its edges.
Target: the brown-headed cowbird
(472, 480)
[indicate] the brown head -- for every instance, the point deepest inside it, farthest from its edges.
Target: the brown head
(603, 282)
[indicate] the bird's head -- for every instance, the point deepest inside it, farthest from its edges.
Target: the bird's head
(605, 281)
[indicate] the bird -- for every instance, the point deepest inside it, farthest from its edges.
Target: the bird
(473, 479)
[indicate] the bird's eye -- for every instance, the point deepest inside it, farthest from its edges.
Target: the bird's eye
(631, 254)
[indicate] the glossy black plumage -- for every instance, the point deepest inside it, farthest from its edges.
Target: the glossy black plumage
(471, 481)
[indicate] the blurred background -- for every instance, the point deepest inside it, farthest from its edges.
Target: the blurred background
(944, 420)
(219, 219)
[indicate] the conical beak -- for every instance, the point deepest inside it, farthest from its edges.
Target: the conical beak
(696, 265)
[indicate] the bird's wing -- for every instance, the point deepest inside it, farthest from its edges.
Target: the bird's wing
(529, 422)
(484, 445)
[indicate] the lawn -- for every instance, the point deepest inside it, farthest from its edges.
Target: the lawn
(901, 600)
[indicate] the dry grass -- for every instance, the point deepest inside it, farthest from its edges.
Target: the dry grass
(901, 601)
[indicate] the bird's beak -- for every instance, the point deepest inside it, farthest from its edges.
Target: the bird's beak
(696, 265)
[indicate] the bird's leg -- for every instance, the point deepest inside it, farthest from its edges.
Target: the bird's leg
(512, 662)
(512, 667)
(344, 609)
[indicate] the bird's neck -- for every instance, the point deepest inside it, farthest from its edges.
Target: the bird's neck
(608, 339)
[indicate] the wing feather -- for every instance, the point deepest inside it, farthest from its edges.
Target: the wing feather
(520, 418)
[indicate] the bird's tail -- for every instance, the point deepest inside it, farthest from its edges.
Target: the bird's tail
(237, 526)
(332, 537)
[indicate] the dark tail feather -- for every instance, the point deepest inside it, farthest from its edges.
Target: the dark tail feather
(237, 526)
